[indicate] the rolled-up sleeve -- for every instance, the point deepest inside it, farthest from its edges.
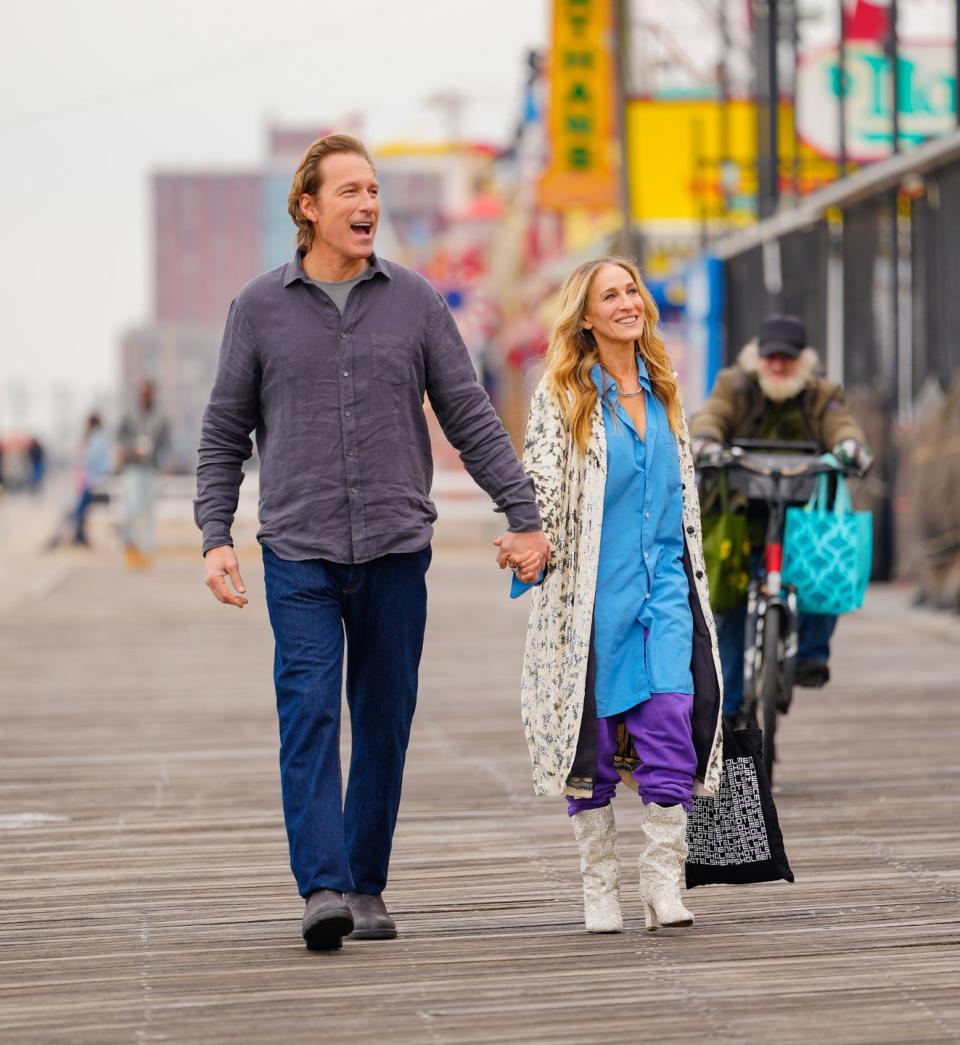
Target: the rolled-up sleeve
(469, 421)
(232, 414)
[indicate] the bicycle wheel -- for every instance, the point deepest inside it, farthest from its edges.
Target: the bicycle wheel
(768, 685)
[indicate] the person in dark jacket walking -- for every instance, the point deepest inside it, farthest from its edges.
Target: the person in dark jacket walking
(328, 358)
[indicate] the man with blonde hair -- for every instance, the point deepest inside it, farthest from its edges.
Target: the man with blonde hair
(327, 359)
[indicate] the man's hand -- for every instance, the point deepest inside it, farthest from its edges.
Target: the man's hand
(220, 563)
(528, 552)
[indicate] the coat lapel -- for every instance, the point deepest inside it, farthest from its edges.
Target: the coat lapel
(598, 437)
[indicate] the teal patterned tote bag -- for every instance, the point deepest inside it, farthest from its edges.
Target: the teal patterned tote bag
(827, 552)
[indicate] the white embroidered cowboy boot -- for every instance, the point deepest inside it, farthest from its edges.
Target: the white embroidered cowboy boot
(596, 834)
(661, 866)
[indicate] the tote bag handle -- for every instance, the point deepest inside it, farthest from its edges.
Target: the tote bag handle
(818, 503)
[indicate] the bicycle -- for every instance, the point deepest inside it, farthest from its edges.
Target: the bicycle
(775, 474)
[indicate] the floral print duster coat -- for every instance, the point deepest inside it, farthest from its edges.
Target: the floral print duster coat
(570, 488)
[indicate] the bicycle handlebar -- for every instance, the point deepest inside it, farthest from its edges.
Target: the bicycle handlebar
(735, 457)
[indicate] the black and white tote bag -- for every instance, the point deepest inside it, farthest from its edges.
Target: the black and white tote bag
(734, 838)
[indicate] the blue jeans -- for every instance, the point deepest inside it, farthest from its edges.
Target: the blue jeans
(381, 609)
(814, 632)
(80, 515)
(138, 497)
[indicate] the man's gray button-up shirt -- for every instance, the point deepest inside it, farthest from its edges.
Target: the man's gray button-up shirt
(336, 402)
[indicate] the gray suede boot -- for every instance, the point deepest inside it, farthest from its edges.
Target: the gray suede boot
(596, 834)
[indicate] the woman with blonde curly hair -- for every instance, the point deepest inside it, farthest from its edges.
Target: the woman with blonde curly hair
(621, 676)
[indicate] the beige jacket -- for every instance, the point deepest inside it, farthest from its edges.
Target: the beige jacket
(569, 490)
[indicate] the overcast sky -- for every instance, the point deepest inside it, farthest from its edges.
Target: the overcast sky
(96, 95)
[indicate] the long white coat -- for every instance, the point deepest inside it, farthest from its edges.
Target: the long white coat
(569, 488)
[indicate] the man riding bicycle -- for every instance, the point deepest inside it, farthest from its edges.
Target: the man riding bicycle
(773, 392)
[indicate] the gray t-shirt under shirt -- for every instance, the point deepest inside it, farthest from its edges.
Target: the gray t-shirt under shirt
(338, 292)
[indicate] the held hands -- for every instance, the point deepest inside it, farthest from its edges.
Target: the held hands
(525, 553)
(220, 563)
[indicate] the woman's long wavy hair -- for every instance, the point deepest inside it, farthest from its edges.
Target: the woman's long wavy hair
(572, 353)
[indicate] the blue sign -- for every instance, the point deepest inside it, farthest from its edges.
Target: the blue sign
(705, 315)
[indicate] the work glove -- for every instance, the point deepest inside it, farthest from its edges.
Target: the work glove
(853, 454)
(707, 451)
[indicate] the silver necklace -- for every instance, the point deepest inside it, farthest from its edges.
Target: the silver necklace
(618, 382)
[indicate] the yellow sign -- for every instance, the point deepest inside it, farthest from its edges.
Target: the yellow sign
(680, 175)
(582, 171)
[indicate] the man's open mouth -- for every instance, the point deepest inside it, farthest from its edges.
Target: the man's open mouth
(364, 228)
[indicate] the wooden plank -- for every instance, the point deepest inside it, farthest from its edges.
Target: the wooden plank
(145, 894)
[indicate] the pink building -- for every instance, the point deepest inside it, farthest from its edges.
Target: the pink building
(208, 242)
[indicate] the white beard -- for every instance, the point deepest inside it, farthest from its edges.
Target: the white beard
(779, 389)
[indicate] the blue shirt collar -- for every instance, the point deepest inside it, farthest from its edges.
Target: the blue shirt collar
(604, 381)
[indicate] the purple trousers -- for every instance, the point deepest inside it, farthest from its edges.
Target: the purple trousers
(661, 733)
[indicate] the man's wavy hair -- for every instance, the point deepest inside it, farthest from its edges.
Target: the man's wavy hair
(308, 179)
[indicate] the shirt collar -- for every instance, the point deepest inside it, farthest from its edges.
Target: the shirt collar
(604, 381)
(293, 270)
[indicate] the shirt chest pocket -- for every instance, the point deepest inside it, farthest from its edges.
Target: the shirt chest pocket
(395, 359)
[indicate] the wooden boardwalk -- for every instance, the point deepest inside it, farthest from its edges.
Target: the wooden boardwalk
(145, 894)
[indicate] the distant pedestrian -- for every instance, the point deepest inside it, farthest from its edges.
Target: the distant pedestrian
(37, 458)
(143, 440)
(328, 359)
(93, 466)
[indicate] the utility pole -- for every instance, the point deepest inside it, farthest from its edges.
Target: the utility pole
(629, 245)
(773, 33)
(724, 103)
(893, 53)
(842, 87)
(795, 59)
(766, 35)
(892, 49)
